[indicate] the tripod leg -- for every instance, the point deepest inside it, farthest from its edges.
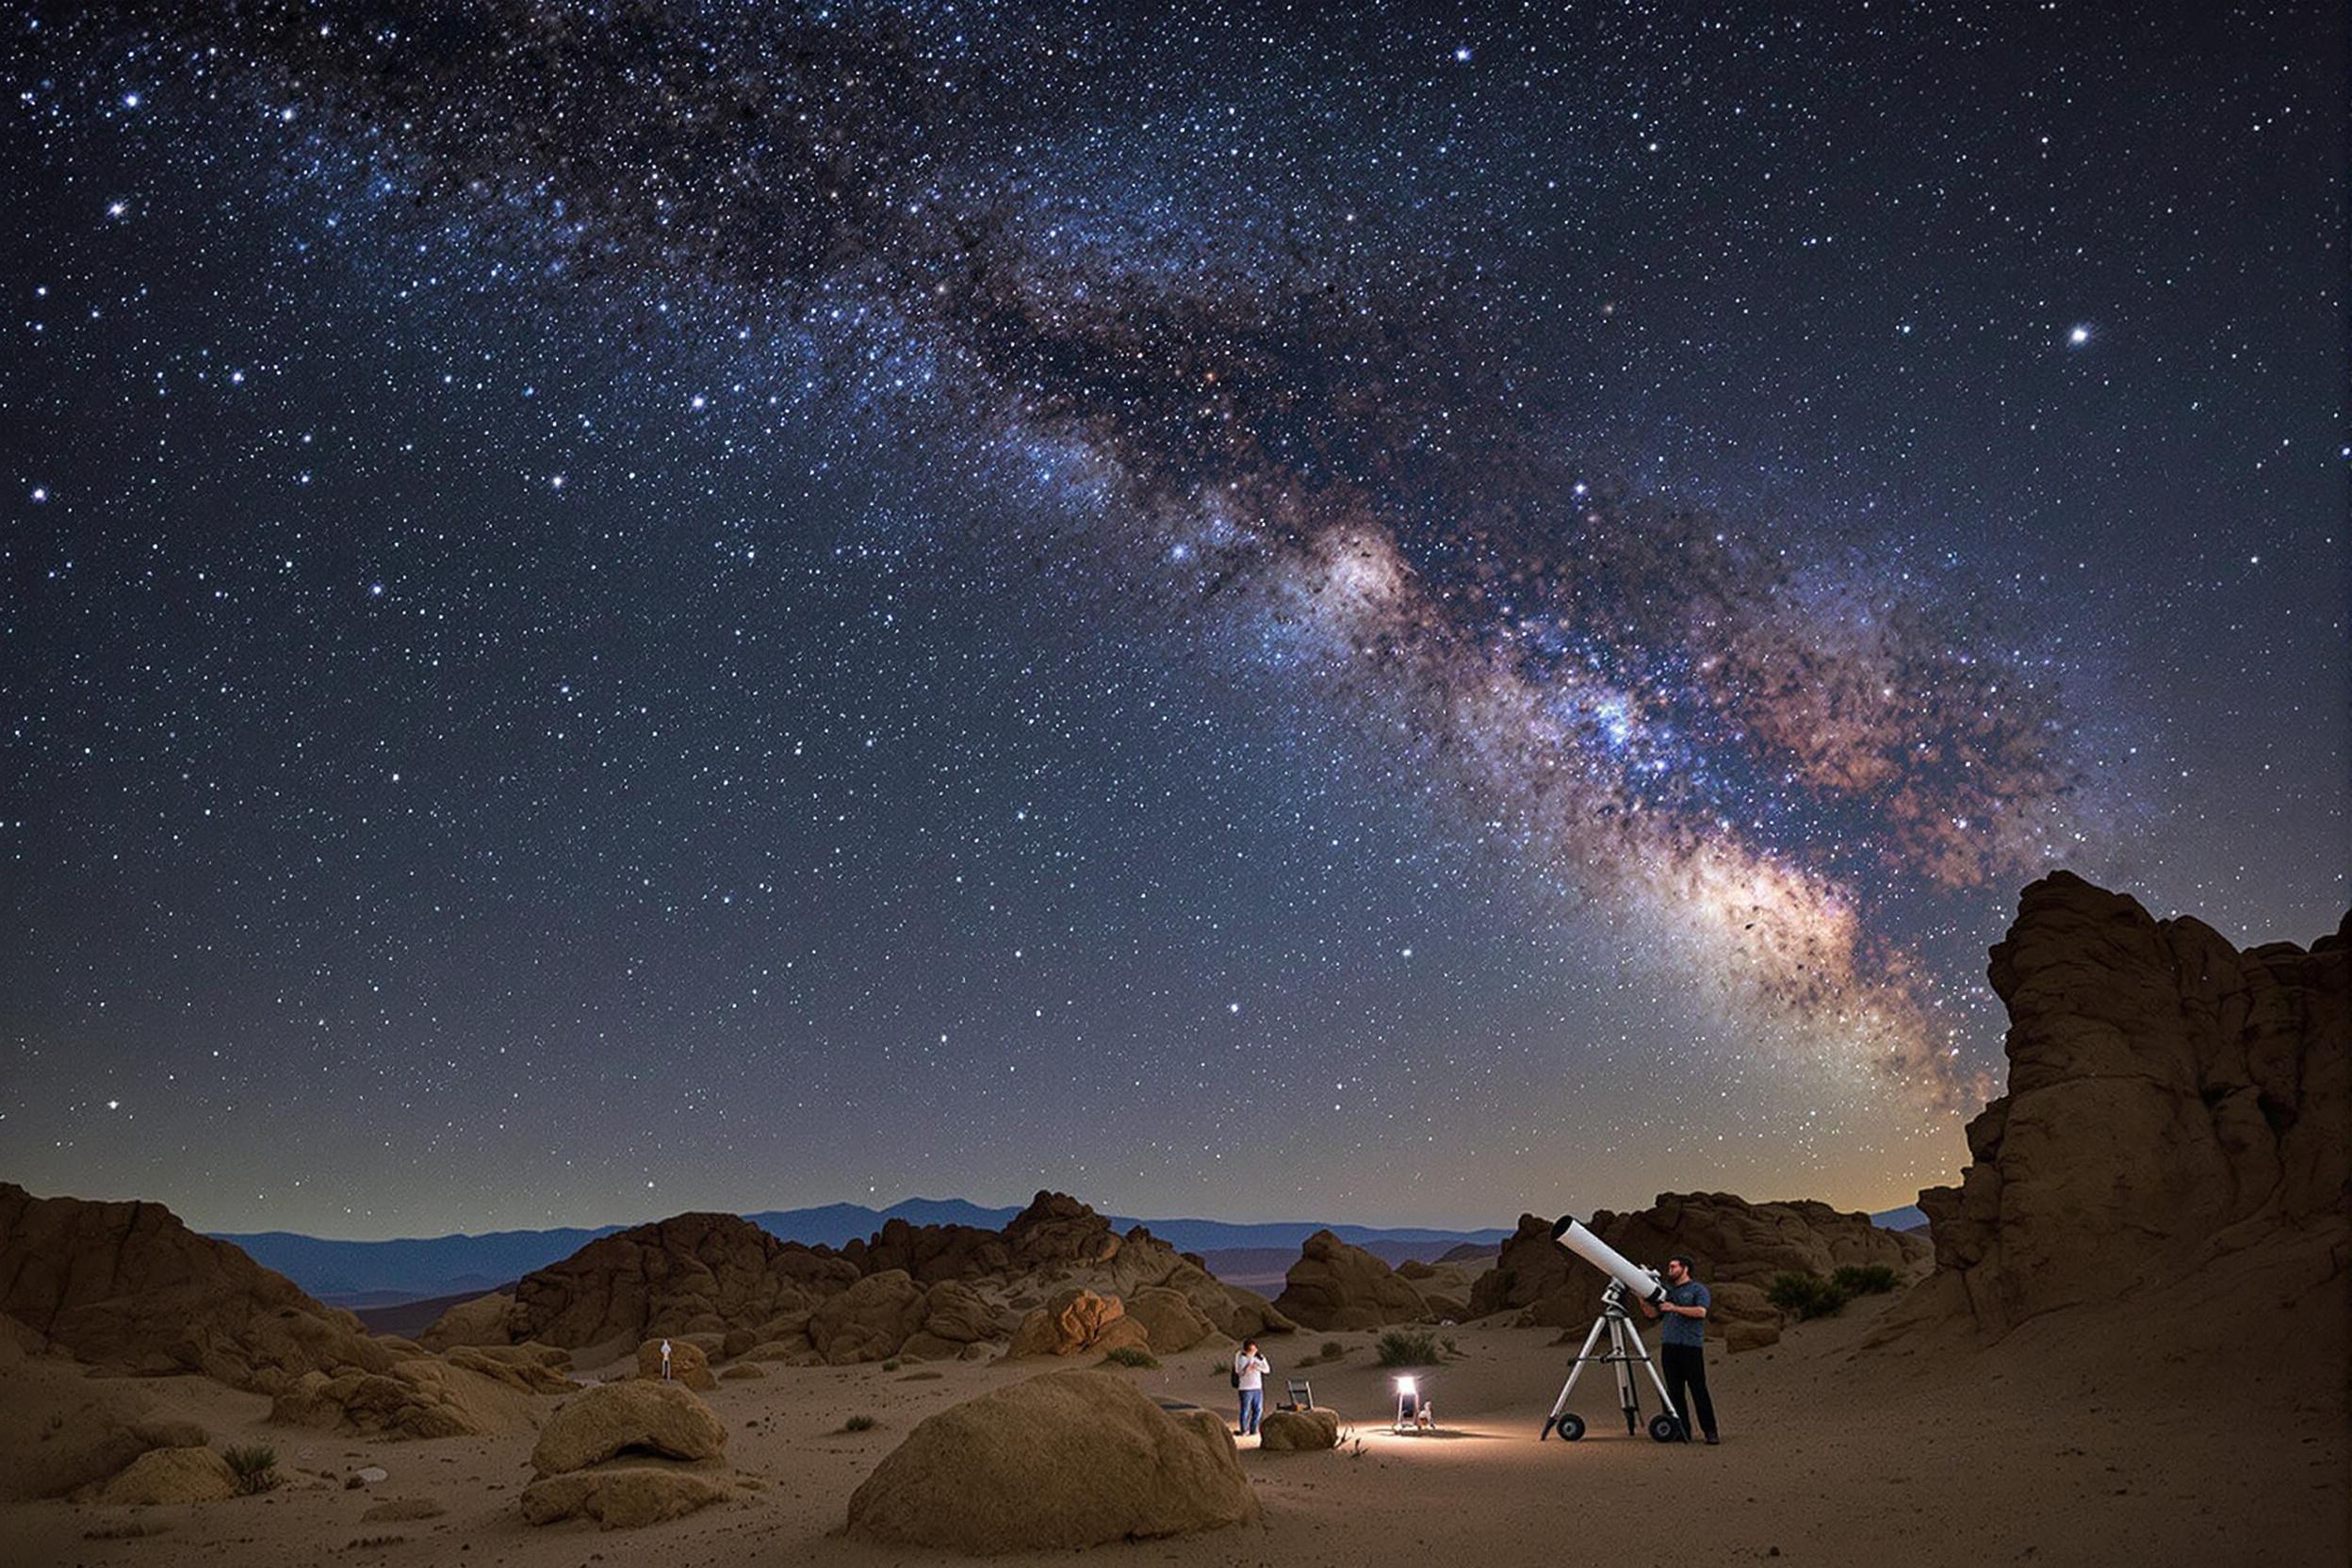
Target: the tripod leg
(1573, 1367)
(1628, 1396)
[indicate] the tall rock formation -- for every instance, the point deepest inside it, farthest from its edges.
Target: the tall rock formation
(1336, 1286)
(2172, 1103)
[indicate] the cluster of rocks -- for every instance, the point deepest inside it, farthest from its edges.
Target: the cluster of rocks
(732, 1292)
(2173, 1103)
(128, 1287)
(1737, 1245)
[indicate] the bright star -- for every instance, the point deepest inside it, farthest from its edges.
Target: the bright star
(2079, 336)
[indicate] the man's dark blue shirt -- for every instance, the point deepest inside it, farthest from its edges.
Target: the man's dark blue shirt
(1679, 1329)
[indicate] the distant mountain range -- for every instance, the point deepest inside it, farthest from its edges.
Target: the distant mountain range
(374, 1274)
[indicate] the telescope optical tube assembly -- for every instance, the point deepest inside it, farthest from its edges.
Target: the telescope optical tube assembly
(1644, 1285)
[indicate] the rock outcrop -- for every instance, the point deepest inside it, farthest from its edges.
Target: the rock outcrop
(870, 1320)
(1738, 1246)
(1335, 1285)
(1079, 1322)
(636, 1419)
(1059, 1243)
(526, 1369)
(692, 1273)
(418, 1397)
(1170, 1321)
(2172, 1102)
(483, 1320)
(1055, 1230)
(935, 1291)
(1066, 1461)
(128, 1287)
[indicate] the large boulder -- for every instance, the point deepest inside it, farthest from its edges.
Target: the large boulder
(1335, 1285)
(128, 1287)
(624, 1496)
(1067, 1460)
(954, 1319)
(483, 1320)
(633, 1418)
(1299, 1431)
(1734, 1242)
(1077, 1322)
(870, 1320)
(2172, 1102)
(692, 1273)
(688, 1364)
(1169, 1320)
(166, 1475)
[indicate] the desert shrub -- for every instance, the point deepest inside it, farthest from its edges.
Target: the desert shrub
(859, 1424)
(1130, 1355)
(1803, 1294)
(256, 1466)
(1871, 1278)
(891, 1365)
(1451, 1349)
(1333, 1350)
(1408, 1347)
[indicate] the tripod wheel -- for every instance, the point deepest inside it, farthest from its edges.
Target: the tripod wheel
(1570, 1427)
(1665, 1429)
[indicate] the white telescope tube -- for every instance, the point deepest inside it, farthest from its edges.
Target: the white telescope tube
(1645, 1285)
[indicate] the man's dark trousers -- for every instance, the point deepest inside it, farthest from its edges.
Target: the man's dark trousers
(1685, 1366)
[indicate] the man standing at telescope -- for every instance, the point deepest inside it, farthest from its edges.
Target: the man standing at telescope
(1682, 1344)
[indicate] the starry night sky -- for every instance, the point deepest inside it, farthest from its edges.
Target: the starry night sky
(1392, 617)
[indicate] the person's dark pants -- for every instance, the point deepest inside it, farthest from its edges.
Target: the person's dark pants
(1685, 1366)
(1252, 1407)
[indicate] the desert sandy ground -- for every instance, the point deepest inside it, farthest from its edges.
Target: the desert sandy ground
(2069, 1443)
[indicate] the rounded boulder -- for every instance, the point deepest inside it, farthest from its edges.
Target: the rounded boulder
(1065, 1460)
(637, 1417)
(1299, 1431)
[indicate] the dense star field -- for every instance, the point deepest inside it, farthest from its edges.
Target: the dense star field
(620, 608)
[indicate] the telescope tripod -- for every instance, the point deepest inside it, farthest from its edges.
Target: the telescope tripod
(1625, 1350)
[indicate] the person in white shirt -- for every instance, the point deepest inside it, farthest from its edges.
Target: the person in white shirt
(1250, 1370)
(665, 1360)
